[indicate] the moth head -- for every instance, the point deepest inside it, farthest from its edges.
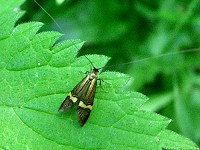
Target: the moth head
(95, 71)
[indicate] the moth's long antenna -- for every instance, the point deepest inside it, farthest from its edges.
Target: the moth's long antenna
(141, 60)
(50, 16)
(90, 61)
(54, 21)
(154, 57)
(62, 30)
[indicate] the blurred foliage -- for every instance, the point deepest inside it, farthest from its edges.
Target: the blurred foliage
(131, 31)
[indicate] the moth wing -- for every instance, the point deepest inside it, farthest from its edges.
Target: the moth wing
(82, 115)
(86, 101)
(68, 103)
(72, 97)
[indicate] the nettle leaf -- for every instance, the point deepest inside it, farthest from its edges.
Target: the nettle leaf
(36, 75)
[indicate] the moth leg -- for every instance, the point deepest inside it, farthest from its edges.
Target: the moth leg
(100, 80)
(87, 72)
(82, 72)
(107, 84)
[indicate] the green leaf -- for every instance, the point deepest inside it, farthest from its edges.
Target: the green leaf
(37, 74)
(173, 141)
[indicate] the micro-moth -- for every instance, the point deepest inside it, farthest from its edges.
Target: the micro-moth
(83, 95)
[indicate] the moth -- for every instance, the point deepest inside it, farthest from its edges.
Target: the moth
(83, 95)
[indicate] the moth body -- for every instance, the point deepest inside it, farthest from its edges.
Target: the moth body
(82, 94)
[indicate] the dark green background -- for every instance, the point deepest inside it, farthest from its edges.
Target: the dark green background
(130, 31)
